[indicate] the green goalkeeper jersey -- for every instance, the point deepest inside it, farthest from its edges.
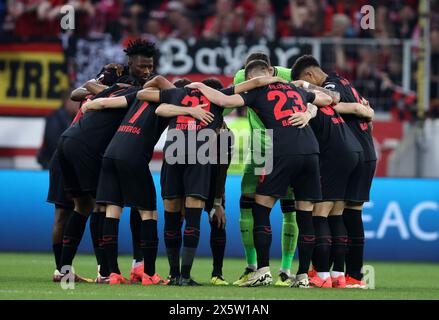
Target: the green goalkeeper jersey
(254, 121)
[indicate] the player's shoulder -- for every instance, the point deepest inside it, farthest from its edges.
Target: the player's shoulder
(282, 72)
(239, 76)
(334, 81)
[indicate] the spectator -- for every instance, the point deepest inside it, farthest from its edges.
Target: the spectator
(213, 24)
(152, 30)
(406, 20)
(35, 18)
(184, 29)
(263, 22)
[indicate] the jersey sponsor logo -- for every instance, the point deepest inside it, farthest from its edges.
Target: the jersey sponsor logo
(364, 126)
(329, 111)
(330, 86)
(130, 129)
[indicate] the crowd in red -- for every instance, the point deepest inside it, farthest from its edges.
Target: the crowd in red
(213, 19)
(378, 71)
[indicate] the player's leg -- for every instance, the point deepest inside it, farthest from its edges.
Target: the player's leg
(62, 214)
(111, 243)
(307, 189)
(172, 194)
(149, 244)
(352, 217)
(109, 193)
(173, 237)
(193, 208)
(218, 247)
(271, 187)
(248, 187)
(63, 209)
(339, 245)
(96, 228)
(262, 236)
(290, 233)
(80, 170)
(322, 249)
(74, 231)
(137, 264)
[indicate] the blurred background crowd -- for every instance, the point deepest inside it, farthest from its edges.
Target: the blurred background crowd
(195, 19)
(381, 62)
(377, 73)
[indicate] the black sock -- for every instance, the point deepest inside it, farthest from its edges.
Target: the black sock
(73, 233)
(354, 257)
(190, 239)
(96, 235)
(322, 249)
(57, 251)
(173, 241)
(262, 234)
(149, 243)
(110, 237)
(104, 270)
(135, 222)
(306, 240)
(339, 242)
(218, 246)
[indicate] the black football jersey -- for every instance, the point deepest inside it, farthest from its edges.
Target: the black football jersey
(274, 104)
(138, 133)
(97, 127)
(332, 132)
(359, 126)
(190, 127)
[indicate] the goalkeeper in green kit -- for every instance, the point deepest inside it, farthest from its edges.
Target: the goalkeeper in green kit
(248, 188)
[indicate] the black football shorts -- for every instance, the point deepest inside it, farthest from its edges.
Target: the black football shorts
(336, 171)
(126, 184)
(183, 180)
(56, 194)
(358, 188)
(300, 172)
(80, 167)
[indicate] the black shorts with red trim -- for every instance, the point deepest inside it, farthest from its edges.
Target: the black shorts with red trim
(184, 180)
(126, 184)
(358, 188)
(56, 193)
(336, 173)
(80, 167)
(300, 172)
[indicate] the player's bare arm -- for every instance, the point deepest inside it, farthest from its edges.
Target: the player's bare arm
(357, 109)
(217, 97)
(322, 99)
(335, 95)
(149, 94)
(301, 119)
(159, 82)
(256, 82)
(170, 110)
(102, 103)
(94, 87)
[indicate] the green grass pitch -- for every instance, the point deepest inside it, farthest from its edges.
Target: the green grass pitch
(28, 276)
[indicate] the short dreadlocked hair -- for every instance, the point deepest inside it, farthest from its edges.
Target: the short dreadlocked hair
(141, 47)
(301, 64)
